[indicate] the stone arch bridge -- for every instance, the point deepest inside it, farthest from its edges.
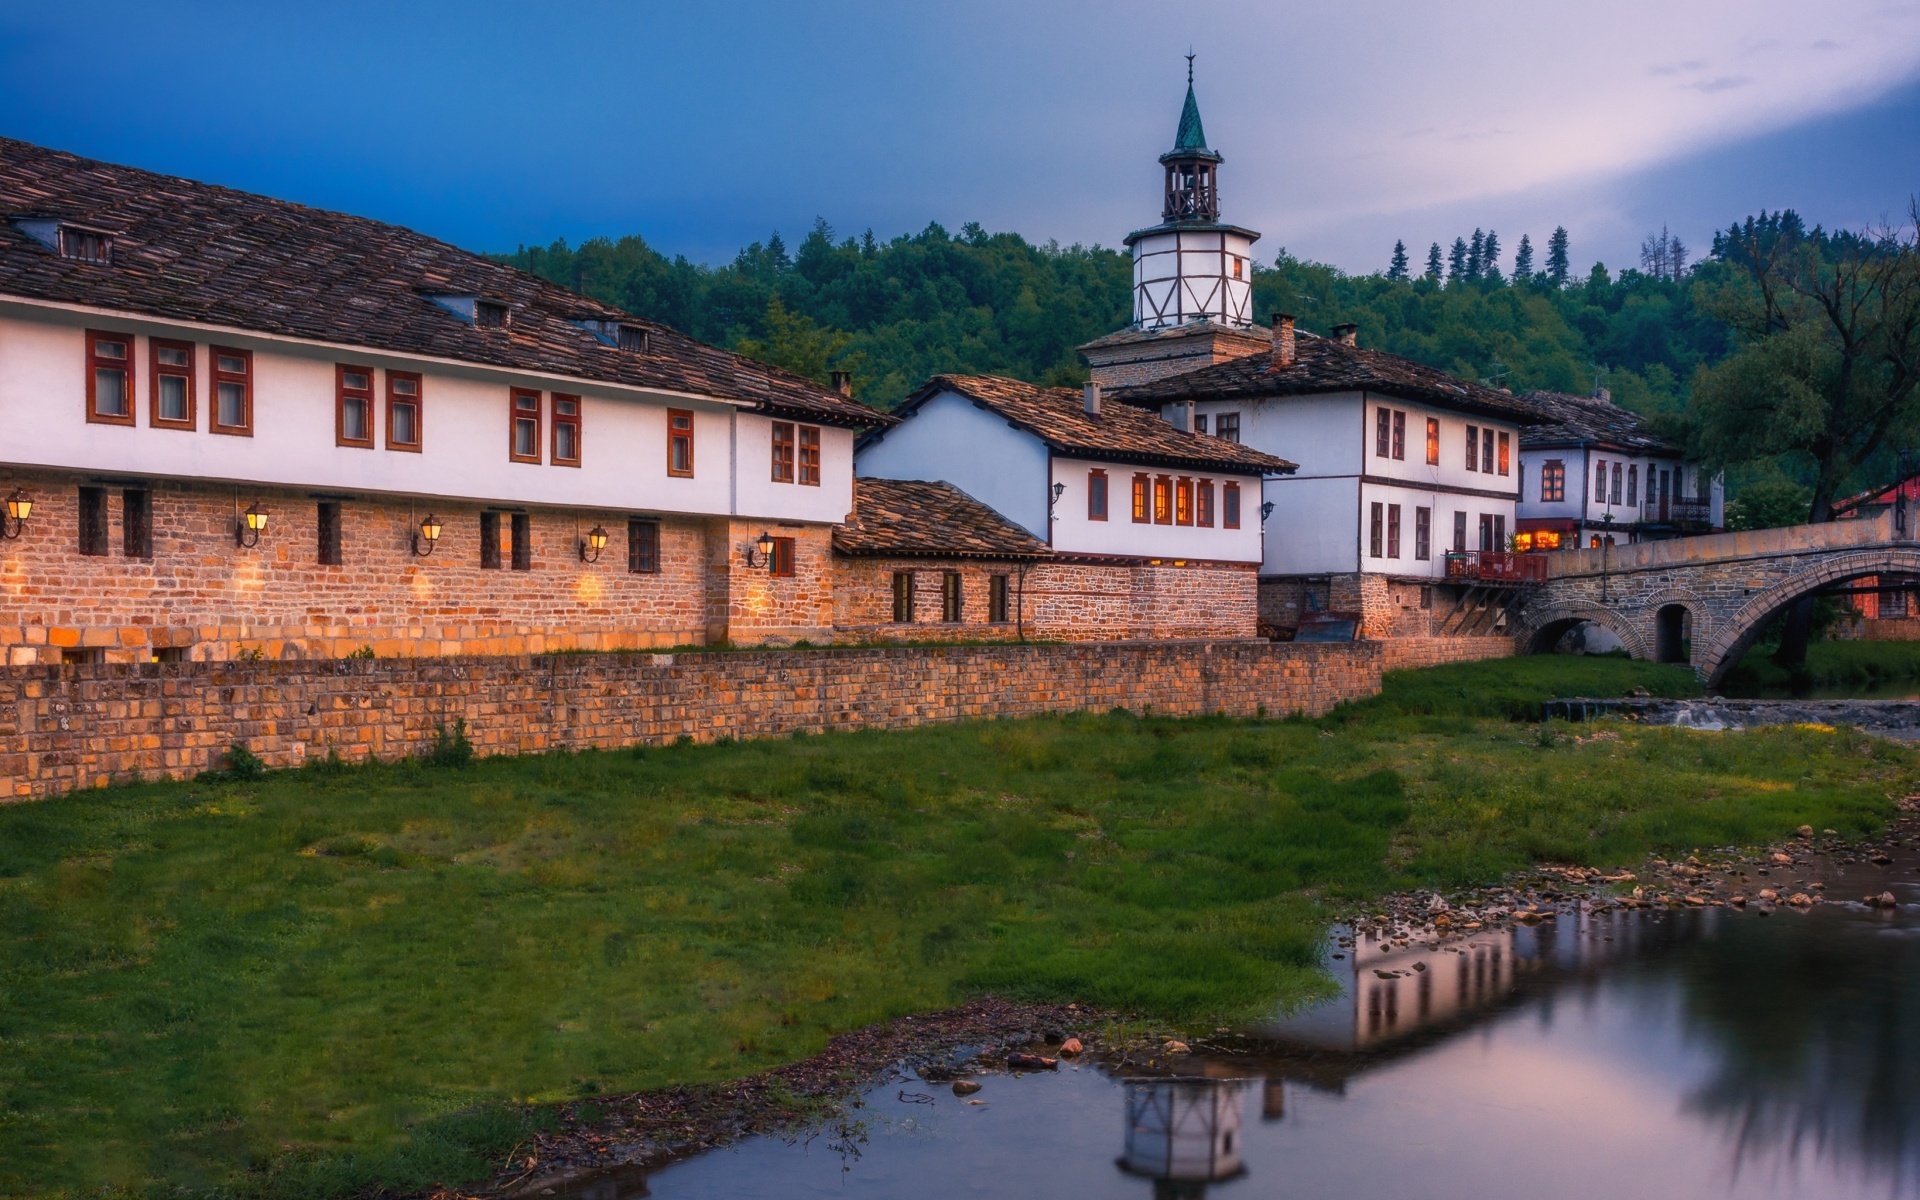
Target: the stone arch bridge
(1705, 600)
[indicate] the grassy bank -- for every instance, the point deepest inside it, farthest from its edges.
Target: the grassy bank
(1831, 666)
(334, 979)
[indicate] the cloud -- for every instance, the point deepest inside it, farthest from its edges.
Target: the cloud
(1724, 83)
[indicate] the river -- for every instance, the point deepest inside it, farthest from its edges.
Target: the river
(1692, 1053)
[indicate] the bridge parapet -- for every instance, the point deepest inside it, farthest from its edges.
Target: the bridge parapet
(1720, 547)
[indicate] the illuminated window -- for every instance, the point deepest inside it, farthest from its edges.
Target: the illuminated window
(1553, 481)
(1433, 442)
(1503, 455)
(1183, 501)
(1140, 499)
(1163, 500)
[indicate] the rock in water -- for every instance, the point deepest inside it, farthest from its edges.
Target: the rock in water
(965, 1087)
(1176, 1047)
(1071, 1047)
(1032, 1062)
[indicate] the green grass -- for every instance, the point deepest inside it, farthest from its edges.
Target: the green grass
(325, 980)
(1835, 665)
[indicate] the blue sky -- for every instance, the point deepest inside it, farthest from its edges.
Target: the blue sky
(704, 127)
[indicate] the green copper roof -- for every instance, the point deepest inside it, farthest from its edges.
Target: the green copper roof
(1191, 136)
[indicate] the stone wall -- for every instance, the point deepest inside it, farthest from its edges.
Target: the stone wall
(201, 597)
(1406, 654)
(73, 726)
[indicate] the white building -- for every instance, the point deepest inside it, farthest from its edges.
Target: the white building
(1096, 480)
(1596, 472)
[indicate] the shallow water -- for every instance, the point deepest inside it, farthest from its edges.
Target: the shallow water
(1701, 1053)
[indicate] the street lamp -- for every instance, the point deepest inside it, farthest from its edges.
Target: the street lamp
(765, 548)
(252, 523)
(428, 536)
(1059, 490)
(19, 508)
(596, 541)
(1266, 510)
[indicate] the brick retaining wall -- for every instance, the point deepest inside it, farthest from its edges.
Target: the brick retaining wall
(69, 726)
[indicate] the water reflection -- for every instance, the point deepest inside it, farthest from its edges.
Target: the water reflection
(1183, 1133)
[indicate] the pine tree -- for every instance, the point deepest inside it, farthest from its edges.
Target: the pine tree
(1398, 271)
(1433, 261)
(1490, 258)
(1476, 255)
(1457, 260)
(1677, 253)
(1557, 257)
(1523, 261)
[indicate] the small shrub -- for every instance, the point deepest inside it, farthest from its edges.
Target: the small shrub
(243, 763)
(364, 652)
(450, 746)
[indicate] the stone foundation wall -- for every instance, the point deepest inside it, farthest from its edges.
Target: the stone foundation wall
(1406, 654)
(75, 726)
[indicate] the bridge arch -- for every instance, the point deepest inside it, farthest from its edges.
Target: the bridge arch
(1720, 651)
(1541, 632)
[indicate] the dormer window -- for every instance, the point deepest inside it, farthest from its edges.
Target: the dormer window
(67, 239)
(490, 314)
(633, 338)
(478, 311)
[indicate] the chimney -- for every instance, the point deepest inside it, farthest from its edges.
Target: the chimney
(1183, 416)
(843, 383)
(1347, 334)
(1092, 398)
(1283, 339)
(1603, 395)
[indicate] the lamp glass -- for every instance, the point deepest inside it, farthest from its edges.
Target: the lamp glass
(430, 528)
(19, 507)
(256, 519)
(766, 545)
(597, 538)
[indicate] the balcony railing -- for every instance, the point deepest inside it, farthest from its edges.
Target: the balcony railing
(1497, 566)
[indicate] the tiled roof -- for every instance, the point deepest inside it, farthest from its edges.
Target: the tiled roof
(1121, 433)
(1129, 335)
(1323, 365)
(1590, 419)
(911, 517)
(196, 252)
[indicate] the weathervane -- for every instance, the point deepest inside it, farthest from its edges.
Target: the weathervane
(1189, 66)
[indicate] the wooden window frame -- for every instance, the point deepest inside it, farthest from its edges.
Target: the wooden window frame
(1382, 432)
(1183, 501)
(1394, 512)
(556, 420)
(1486, 451)
(1142, 498)
(953, 609)
(1619, 477)
(1433, 441)
(1597, 488)
(329, 532)
(903, 597)
(1506, 451)
(1377, 530)
(520, 529)
(1229, 506)
(419, 402)
(514, 417)
(643, 546)
(1473, 448)
(785, 452)
(1223, 430)
(1399, 435)
(95, 523)
(136, 523)
(1633, 485)
(489, 541)
(809, 455)
(679, 436)
(157, 371)
(997, 600)
(1096, 494)
(1422, 534)
(1163, 499)
(216, 377)
(780, 564)
(1553, 481)
(95, 364)
(1203, 503)
(341, 394)
(1459, 532)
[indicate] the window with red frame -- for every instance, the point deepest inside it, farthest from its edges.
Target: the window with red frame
(523, 443)
(1504, 451)
(170, 377)
(109, 378)
(809, 456)
(1399, 434)
(232, 390)
(781, 564)
(1433, 442)
(1203, 504)
(783, 452)
(1140, 500)
(404, 412)
(1230, 506)
(566, 430)
(679, 442)
(1163, 500)
(353, 406)
(1096, 495)
(1183, 501)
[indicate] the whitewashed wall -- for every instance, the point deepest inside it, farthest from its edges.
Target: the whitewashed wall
(1119, 534)
(950, 438)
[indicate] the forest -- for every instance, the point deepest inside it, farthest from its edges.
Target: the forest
(1654, 333)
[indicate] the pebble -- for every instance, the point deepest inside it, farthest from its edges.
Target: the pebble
(965, 1087)
(1071, 1047)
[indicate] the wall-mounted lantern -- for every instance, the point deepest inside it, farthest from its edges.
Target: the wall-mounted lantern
(1266, 510)
(593, 544)
(252, 523)
(1059, 490)
(19, 508)
(765, 548)
(428, 537)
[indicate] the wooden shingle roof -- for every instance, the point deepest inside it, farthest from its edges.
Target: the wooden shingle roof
(1121, 433)
(197, 252)
(916, 518)
(1575, 419)
(1322, 365)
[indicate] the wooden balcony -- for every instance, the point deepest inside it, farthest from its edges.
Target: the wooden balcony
(1497, 566)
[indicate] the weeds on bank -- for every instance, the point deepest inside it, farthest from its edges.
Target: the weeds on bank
(324, 980)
